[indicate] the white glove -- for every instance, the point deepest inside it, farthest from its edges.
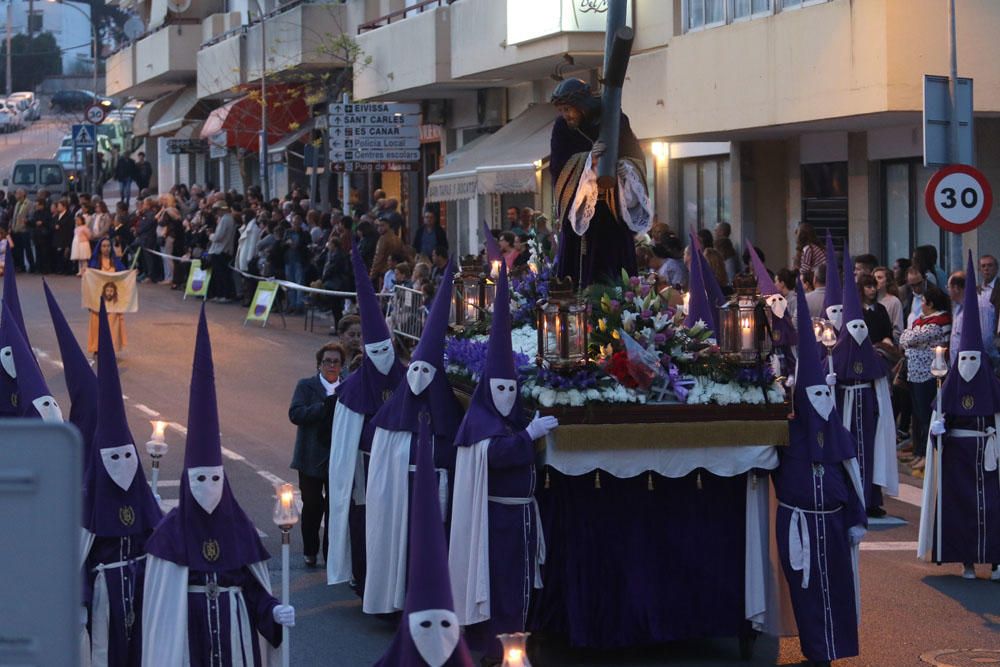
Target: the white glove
(539, 427)
(855, 533)
(284, 614)
(831, 379)
(937, 427)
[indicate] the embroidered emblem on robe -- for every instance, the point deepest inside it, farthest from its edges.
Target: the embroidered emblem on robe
(210, 550)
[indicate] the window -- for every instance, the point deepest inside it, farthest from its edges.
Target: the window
(905, 221)
(35, 23)
(24, 174)
(705, 193)
(744, 9)
(50, 174)
(699, 14)
(795, 4)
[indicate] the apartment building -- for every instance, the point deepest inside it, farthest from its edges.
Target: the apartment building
(761, 113)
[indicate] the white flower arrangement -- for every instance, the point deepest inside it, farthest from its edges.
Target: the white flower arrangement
(548, 397)
(705, 391)
(525, 340)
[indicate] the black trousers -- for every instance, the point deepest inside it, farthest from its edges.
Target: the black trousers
(314, 507)
(24, 255)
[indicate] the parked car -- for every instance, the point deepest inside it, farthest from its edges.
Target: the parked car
(6, 121)
(31, 104)
(78, 100)
(35, 174)
(16, 111)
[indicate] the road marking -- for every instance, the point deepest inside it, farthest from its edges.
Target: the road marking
(179, 428)
(909, 494)
(889, 546)
(887, 521)
(149, 412)
(167, 483)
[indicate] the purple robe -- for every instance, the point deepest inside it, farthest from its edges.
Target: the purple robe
(513, 544)
(610, 246)
(209, 641)
(970, 495)
(864, 421)
(122, 560)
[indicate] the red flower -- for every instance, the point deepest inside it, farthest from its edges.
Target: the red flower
(618, 368)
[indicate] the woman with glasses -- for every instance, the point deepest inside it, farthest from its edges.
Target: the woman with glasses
(312, 412)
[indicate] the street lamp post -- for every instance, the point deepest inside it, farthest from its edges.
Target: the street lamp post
(10, 31)
(94, 50)
(265, 185)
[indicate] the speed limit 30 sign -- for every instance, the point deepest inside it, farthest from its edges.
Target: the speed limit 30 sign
(958, 198)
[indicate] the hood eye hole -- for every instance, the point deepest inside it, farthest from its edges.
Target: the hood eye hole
(128, 455)
(115, 457)
(445, 624)
(215, 478)
(201, 478)
(425, 624)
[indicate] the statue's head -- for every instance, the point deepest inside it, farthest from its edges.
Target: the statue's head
(576, 103)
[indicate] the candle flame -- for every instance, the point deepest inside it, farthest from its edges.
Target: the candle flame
(286, 494)
(159, 427)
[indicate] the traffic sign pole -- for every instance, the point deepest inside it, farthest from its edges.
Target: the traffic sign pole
(958, 199)
(345, 180)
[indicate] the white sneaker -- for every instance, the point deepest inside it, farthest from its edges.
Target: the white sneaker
(969, 572)
(996, 574)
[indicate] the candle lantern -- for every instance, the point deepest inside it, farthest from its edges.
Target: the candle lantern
(156, 447)
(473, 293)
(562, 327)
(514, 652)
(743, 324)
(286, 515)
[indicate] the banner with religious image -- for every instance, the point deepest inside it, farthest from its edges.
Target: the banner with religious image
(117, 288)
(198, 279)
(263, 300)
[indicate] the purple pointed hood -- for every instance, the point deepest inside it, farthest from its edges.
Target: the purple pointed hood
(493, 252)
(366, 389)
(80, 378)
(109, 510)
(401, 411)
(854, 362)
(833, 296)
(765, 285)
(29, 395)
(10, 296)
(482, 419)
(979, 396)
(9, 404)
(225, 539)
(698, 307)
(428, 584)
(715, 296)
(812, 438)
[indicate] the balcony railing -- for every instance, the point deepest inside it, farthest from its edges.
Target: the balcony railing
(163, 26)
(400, 14)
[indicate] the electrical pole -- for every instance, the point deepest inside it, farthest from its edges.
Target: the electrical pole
(954, 157)
(265, 185)
(10, 31)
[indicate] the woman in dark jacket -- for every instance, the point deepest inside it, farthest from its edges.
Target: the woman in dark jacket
(312, 412)
(337, 273)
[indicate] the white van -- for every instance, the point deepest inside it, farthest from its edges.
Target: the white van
(35, 174)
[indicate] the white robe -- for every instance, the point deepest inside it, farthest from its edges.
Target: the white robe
(165, 615)
(344, 469)
(469, 552)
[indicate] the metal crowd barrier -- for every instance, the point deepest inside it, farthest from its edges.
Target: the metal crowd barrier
(407, 313)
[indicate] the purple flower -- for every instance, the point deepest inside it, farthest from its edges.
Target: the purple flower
(646, 314)
(644, 290)
(629, 296)
(634, 281)
(659, 339)
(615, 305)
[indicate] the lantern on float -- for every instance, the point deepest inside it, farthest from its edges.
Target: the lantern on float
(473, 293)
(562, 327)
(743, 323)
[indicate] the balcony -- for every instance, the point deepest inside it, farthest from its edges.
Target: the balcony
(162, 61)
(401, 74)
(298, 37)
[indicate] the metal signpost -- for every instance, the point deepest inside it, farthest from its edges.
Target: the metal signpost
(377, 136)
(84, 136)
(95, 115)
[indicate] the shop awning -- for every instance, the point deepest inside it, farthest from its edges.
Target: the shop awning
(151, 112)
(503, 162)
(301, 133)
(241, 118)
(179, 111)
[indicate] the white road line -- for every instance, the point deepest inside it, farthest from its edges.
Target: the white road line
(146, 410)
(909, 494)
(167, 504)
(230, 454)
(167, 483)
(179, 428)
(889, 546)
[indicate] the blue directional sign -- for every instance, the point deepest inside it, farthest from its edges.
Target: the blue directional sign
(84, 135)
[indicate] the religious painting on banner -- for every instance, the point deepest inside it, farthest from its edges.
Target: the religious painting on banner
(198, 279)
(263, 300)
(117, 288)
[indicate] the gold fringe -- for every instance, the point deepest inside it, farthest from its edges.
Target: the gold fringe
(597, 479)
(546, 478)
(649, 481)
(700, 487)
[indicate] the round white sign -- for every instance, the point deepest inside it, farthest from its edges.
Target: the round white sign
(958, 198)
(95, 114)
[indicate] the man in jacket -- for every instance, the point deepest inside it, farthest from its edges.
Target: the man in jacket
(389, 244)
(152, 268)
(24, 256)
(220, 252)
(124, 174)
(430, 235)
(143, 172)
(312, 412)
(62, 237)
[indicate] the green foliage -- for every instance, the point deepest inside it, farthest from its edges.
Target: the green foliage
(31, 61)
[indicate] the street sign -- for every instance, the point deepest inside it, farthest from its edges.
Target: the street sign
(378, 131)
(358, 167)
(95, 114)
(372, 120)
(958, 198)
(937, 114)
(186, 146)
(374, 108)
(374, 143)
(84, 136)
(217, 149)
(389, 155)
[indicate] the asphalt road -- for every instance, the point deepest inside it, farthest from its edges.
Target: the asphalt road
(912, 613)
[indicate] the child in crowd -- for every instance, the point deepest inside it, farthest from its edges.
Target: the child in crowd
(80, 251)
